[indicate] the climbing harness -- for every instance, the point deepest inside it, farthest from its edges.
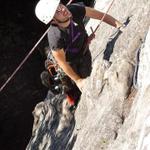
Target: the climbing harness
(56, 74)
(59, 83)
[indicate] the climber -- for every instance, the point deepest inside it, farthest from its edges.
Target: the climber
(57, 82)
(67, 36)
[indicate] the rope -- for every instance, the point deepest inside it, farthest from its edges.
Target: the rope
(93, 32)
(92, 36)
(24, 60)
(69, 2)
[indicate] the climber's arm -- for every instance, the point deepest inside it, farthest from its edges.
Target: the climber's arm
(59, 56)
(95, 14)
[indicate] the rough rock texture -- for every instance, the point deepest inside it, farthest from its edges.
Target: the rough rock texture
(51, 123)
(135, 132)
(111, 114)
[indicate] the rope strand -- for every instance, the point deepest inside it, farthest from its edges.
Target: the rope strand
(103, 16)
(69, 2)
(24, 60)
(92, 36)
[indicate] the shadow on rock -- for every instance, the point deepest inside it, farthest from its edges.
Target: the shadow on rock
(112, 40)
(53, 124)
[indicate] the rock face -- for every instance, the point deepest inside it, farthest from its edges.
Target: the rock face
(135, 132)
(113, 112)
(51, 124)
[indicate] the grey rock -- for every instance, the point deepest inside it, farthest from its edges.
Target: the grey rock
(112, 114)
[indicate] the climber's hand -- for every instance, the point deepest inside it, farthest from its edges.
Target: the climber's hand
(80, 83)
(91, 37)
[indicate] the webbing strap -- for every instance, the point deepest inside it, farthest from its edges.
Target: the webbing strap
(73, 36)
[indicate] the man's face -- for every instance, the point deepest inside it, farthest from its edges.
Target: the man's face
(62, 14)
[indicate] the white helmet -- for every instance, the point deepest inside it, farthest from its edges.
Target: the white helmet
(45, 10)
